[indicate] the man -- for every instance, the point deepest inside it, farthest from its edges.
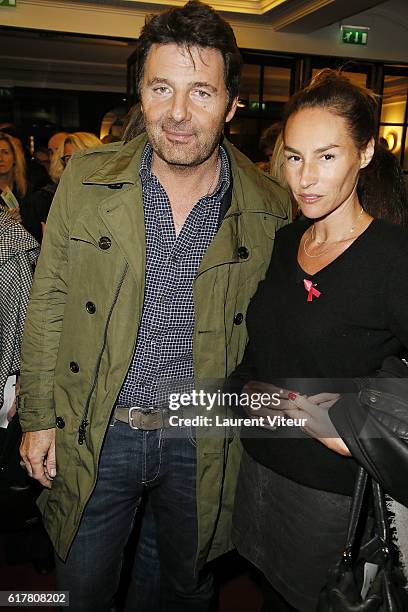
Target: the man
(36, 206)
(152, 252)
(41, 155)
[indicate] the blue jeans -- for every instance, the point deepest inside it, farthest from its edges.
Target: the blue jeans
(133, 461)
(144, 587)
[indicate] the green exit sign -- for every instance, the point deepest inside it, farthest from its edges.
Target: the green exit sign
(352, 35)
(8, 2)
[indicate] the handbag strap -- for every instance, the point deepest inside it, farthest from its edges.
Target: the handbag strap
(380, 514)
(355, 510)
(381, 518)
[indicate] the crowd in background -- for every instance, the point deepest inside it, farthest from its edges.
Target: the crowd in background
(28, 183)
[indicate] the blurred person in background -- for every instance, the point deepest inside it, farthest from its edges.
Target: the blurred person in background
(18, 253)
(41, 156)
(109, 138)
(23, 534)
(36, 174)
(37, 205)
(78, 141)
(267, 145)
(133, 124)
(13, 180)
(55, 147)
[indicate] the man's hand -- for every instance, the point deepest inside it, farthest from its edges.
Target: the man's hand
(37, 451)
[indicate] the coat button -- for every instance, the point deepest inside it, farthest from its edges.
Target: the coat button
(90, 307)
(104, 243)
(243, 252)
(239, 317)
(74, 367)
(60, 423)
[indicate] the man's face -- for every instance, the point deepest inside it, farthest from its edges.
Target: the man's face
(184, 102)
(43, 158)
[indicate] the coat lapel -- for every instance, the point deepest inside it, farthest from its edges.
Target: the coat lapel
(123, 215)
(122, 211)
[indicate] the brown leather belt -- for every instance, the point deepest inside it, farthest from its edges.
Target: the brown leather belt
(147, 421)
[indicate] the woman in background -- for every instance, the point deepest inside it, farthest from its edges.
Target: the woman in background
(13, 181)
(21, 529)
(78, 141)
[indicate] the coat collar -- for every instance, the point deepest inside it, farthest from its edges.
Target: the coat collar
(252, 190)
(122, 167)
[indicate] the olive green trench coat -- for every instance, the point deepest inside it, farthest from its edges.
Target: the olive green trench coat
(85, 310)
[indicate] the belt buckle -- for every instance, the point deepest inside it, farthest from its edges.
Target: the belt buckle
(131, 417)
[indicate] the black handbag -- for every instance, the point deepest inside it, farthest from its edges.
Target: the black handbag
(376, 557)
(374, 426)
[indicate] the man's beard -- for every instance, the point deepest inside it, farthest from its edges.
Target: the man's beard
(192, 153)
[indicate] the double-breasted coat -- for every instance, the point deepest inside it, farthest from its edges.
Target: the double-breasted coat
(85, 310)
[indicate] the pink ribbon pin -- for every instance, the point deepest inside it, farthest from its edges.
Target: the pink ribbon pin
(310, 288)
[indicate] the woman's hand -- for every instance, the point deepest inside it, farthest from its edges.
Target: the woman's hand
(315, 409)
(13, 408)
(14, 213)
(259, 399)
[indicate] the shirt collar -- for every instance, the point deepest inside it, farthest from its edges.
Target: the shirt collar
(146, 163)
(223, 182)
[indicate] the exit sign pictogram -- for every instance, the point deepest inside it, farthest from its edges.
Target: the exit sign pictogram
(354, 35)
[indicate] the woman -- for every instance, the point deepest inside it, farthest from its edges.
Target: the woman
(21, 527)
(18, 254)
(13, 182)
(78, 142)
(332, 306)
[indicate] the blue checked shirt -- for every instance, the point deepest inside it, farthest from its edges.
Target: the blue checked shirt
(163, 359)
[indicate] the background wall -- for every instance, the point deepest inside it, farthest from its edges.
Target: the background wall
(387, 38)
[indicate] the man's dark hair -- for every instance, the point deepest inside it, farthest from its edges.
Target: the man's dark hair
(193, 25)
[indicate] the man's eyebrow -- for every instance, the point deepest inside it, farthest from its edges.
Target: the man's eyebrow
(157, 79)
(320, 150)
(204, 84)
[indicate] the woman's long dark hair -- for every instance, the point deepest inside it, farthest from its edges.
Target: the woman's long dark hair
(382, 189)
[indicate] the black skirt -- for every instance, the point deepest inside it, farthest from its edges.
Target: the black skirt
(292, 533)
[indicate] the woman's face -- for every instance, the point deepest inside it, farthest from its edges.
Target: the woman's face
(322, 162)
(69, 150)
(6, 158)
